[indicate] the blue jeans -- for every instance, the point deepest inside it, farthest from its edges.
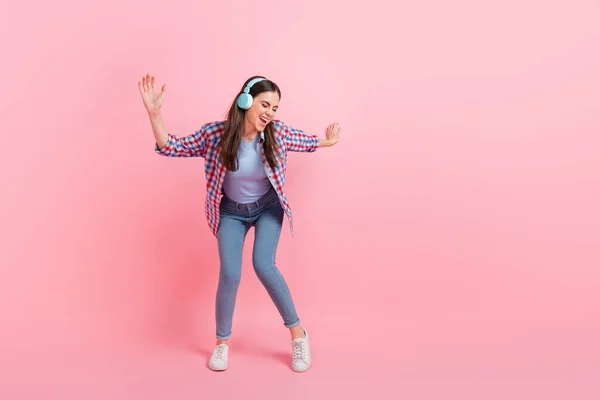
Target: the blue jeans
(266, 215)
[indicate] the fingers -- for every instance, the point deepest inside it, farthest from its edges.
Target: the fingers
(333, 131)
(147, 83)
(334, 128)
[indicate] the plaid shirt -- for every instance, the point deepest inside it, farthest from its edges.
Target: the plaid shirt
(203, 143)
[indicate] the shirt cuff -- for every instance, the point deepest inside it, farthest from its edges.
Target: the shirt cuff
(314, 143)
(168, 146)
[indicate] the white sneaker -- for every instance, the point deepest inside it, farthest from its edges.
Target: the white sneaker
(218, 361)
(301, 353)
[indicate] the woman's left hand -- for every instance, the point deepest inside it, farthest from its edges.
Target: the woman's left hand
(332, 133)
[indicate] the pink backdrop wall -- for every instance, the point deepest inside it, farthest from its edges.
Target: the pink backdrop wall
(449, 245)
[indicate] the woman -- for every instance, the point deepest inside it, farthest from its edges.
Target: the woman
(245, 165)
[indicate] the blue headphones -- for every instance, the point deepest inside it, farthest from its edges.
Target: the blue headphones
(244, 100)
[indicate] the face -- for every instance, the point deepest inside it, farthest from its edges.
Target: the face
(262, 111)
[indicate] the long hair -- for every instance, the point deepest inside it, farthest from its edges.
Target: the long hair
(234, 128)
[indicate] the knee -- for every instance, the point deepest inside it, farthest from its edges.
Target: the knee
(230, 276)
(264, 267)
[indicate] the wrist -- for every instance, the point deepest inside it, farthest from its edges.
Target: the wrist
(154, 112)
(325, 143)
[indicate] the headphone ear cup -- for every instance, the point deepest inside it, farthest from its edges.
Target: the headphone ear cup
(244, 101)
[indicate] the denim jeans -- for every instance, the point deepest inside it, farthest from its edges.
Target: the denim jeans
(236, 219)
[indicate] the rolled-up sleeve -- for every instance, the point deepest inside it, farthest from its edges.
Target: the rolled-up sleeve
(193, 145)
(298, 140)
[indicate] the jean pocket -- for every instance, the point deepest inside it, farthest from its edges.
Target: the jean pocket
(227, 206)
(273, 202)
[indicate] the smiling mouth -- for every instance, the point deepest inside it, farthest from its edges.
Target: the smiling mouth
(263, 120)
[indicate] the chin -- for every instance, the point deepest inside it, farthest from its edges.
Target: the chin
(260, 127)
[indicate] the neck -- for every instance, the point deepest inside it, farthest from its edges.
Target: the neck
(249, 132)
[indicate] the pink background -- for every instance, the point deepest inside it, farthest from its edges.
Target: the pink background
(447, 247)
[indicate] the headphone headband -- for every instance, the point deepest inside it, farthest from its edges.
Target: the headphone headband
(251, 83)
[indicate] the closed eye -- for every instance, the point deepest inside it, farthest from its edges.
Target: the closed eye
(265, 105)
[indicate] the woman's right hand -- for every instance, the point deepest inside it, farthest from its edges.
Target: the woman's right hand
(152, 98)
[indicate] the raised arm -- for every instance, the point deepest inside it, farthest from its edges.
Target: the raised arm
(161, 135)
(193, 145)
(298, 140)
(166, 143)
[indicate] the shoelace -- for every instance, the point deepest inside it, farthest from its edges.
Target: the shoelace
(298, 351)
(219, 352)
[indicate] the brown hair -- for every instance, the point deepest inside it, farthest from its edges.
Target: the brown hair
(234, 128)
